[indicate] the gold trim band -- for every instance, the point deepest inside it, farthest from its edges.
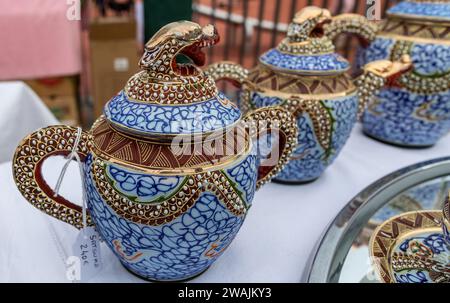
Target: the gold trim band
(413, 39)
(320, 97)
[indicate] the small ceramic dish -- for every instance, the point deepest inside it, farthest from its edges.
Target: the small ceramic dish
(411, 248)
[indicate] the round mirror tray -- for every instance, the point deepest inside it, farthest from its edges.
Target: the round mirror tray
(343, 253)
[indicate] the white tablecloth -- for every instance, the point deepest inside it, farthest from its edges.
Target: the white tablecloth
(273, 245)
(21, 112)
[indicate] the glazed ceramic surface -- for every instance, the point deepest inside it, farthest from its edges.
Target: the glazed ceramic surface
(446, 220)
(311, 158)
(166, 211)
(410, 248)
(418, 113)
(305, 75)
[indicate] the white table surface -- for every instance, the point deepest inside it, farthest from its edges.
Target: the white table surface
(273, 245)
(21, 112)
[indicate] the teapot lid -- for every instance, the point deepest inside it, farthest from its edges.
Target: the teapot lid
(306, 50)
(438, 10)
(168, 98)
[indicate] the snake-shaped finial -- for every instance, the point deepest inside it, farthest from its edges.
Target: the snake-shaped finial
(182, 37)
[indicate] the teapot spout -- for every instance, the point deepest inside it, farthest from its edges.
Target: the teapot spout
(229, 71)
(378, 74)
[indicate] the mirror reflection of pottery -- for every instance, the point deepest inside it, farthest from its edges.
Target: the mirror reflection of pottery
(166, 213)
(416, 114)
(305, 75)
(410, 248)
(426, 196)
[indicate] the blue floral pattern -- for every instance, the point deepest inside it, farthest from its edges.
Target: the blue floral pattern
(394, 118)
(177, 250)
(379, 49)
(435, 242)
(441, 10)
(201, 117)
(428, 59)
(413, 276)
(244, 176)
(431, 59)
(295, 63)
(142, 188)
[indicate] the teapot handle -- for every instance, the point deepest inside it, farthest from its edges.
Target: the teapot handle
(229, 71)
(27, 170)
(355, 24)
(273, 120)
(236, 75)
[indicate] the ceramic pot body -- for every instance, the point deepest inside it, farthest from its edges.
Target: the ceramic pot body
(417, 114)
(306, 76)
(325, 125)
(170, 169)
(190, 242)
(169, 228)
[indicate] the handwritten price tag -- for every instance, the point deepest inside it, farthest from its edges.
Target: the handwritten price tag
(87, 249)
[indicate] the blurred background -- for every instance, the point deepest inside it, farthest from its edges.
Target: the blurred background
(75, 55)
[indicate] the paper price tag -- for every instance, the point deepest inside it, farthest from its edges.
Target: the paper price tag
(87, 249)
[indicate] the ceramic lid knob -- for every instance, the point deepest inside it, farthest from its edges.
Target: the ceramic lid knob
(306, 50)
(169, 98)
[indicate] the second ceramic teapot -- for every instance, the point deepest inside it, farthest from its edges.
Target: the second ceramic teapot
(415, 113)
(169, 169)
(304, 75)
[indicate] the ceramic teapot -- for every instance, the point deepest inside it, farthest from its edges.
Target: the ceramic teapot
(304, 75)
(416, 113)
(167, 213)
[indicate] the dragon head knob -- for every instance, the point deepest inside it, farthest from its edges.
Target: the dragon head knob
(182, 37)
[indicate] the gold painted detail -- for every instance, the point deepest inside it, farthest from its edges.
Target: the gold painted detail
(425, 112)
(316, 46)
(352, 24)
(167, 159)
(390, 232)
(141, 88)
(265, 120)
(439, 273)
(414, 82)
(446, 209)
(163, 80)
(168, 210)
(377, 74)
(27, 165)
(168, 42)
(304, 33)
(368, 84)
(320, 116)
(430, 32)
(227, 70)
(309, 87)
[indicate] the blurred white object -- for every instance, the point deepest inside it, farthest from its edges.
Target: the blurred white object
(21, 112)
